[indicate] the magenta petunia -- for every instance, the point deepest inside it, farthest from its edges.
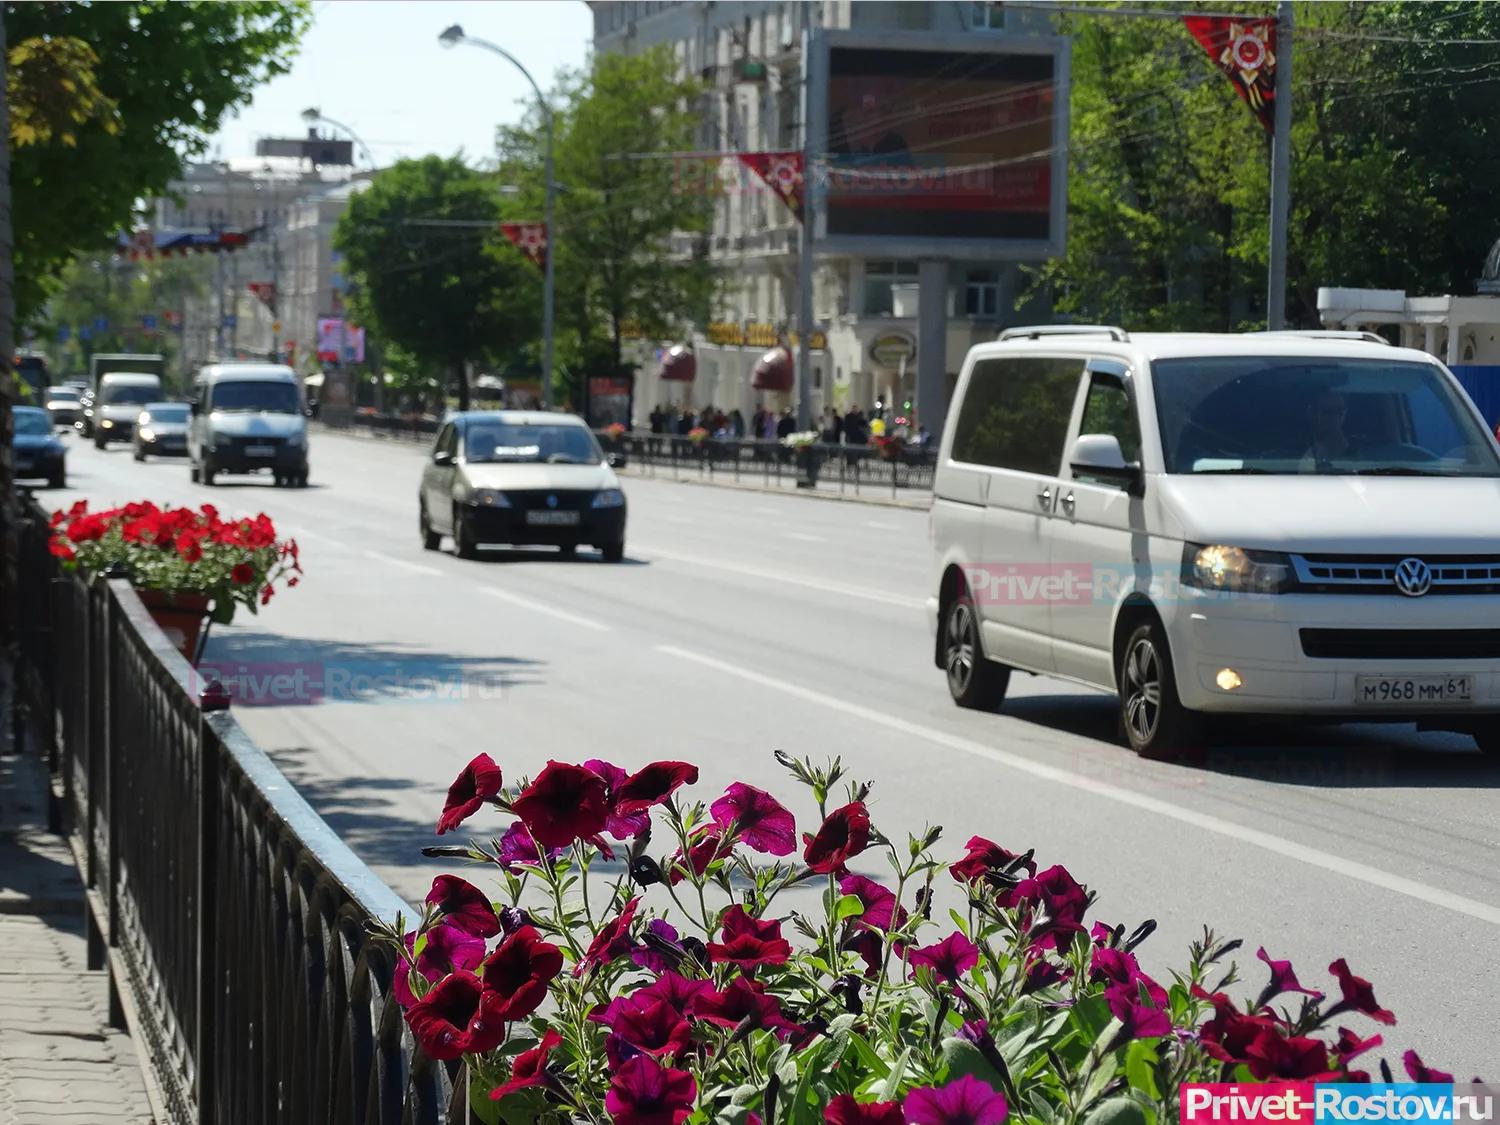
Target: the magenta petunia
(964, 1101)
(1420, 1071)
(1141, 1021)
(517, 848)
(653, 785)
(984, 858)
(613, 940)
(643, 1092)
(704, 846)
(1115, 967)
(747, 942)
(649, 955)
(530, 1067)
(760, 820)
(457, 1017)
(617, 825)
(844, 833)
(1283, 979)
(844, 1110)
(675, 989)
(743, 998)
(446, 950)
(657, 1028)
(479, 781)
(949, 959)
(519, 969)
(464, 906)
(1359, 994)
(1351, 1046)
(564, 803)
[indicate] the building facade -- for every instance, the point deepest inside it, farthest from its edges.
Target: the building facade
(865, 309)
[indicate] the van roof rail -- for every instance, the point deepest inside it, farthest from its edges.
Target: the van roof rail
(1037, 331)
(1328, 334)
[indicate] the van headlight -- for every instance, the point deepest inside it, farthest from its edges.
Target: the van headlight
(1218, 567)
(297, 441)
(490, 498)
(609, 498)
(147, 434)
(106, 424)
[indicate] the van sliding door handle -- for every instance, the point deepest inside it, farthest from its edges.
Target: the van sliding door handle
(1044, 498)
(1067, 503)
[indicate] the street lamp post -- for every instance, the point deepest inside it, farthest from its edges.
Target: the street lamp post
(451, 38)
(313, 116)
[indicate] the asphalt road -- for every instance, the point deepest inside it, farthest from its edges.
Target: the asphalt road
(741, 623)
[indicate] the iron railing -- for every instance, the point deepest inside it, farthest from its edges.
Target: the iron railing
(234, 923)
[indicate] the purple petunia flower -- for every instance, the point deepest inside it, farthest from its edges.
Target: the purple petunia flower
(966, 1101)
(763, 823)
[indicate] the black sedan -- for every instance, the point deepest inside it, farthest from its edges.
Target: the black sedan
(36, 451)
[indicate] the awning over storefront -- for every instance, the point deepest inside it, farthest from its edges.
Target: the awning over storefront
(679, 364)
(774, 371)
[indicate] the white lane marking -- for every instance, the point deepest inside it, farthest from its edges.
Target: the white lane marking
(864, 592)
(1315, 857)
(881, 526)
(802, 535)
(416, 568)
(538, 607)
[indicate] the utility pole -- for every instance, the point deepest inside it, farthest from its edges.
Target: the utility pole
(803, 376)
(1281, 158)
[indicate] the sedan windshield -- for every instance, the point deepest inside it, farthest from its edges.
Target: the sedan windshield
(32, 422)
(128, 394)
(254, 396)
(1252, 414)
(57, 394)
(505, 441)
(167, 412)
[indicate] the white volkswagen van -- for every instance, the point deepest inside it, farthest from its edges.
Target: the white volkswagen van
(248, 418)
(1292, 523)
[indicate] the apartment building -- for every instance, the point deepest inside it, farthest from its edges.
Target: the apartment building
(865, 306)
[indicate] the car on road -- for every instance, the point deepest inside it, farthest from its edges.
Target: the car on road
(117, 403)
(62, 403)
(247, 418)
(520, 478)
(161, 430)
(1301, 524)
(36, 450)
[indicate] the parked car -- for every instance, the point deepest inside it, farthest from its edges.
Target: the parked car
(62, 403)
(85, 423)
(161, 430)
(118, 402)
(1296, 524)
(36, 450)
(514, 477)
(247, 418)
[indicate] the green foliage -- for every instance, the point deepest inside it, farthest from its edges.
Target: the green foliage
(52, 88)
(616, 259)
(166, 74)
(1395, 180)
(443, 294)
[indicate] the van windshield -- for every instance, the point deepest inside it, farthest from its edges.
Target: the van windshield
(128, 394)
(1253, 414)
(168, 412)
(255, 396)
(504, 441)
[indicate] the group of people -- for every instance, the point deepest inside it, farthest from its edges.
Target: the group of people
(857, 427)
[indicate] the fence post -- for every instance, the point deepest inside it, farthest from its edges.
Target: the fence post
(212, 698)
(92, 719)
(112, 801)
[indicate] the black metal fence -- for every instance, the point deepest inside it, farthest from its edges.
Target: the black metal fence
(233, 921)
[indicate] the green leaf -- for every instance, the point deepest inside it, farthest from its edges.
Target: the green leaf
(480, 1107)
(964, 1058)
(521, 1107)
(223, 611)
(892, 1084)
(1140, 1064)
(848, 906)
(868, 1057)
(1091, 1016)
(1122, 1110)
(960, 921)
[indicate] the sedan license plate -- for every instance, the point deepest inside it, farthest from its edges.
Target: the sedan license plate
(260, 451)
(552, 519)
(1405, 690)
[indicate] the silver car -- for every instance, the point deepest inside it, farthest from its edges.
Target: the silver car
(161, 430)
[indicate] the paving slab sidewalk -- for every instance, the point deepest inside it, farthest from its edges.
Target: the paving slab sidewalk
(60, 1061)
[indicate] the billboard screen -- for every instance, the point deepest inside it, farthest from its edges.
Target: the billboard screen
(954, 148)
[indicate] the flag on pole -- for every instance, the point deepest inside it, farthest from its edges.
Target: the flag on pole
(265, 291)
(530, 239)
(782, 173)
(1245, 50)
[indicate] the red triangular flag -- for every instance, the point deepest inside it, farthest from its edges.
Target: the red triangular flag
(1245, 50)
(782, 173)
(529, 238)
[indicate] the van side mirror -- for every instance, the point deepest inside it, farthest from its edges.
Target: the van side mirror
(442, 457)
(1099, 457)
(195, 405)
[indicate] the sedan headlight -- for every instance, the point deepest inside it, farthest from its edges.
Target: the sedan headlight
(106, 424)
(608, 498)
(1217, 567)
(148, 434)
(490, 498)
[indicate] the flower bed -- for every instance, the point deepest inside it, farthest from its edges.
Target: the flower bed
(691, 989)
(182, 550)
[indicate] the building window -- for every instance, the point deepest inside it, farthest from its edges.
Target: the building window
(982, 293)
(879, 277)
(989, 17)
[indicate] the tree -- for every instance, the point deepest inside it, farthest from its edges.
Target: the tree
(151, 81)
(1395, 179)
(618, 261)
(446, 294)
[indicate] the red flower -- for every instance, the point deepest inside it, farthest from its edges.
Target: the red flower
(759, 819)
(530, 1067)
(880, 912)
(59, 547)
(653, 785)
(1351, 1046)
(743, 998)
(1141, 1021)
(842, 837)
(844, 1110)
(1283, 979)
(456, 1017)
(950, 958)
(565, 803)
(464, 906)
(518, 971)
(617, 825)
(704, 848)
(479, 781)
(1118, 968)
(964, 1101)
(748, 942)
(985, 857)
(613, 940)
(675, 989)
(1042, 973)
(1057, 898)
(265, 593)
(643, 1092)
(243, 573)
(1359, 995)
(1229, 1034)
(447, 950)
(1421, 1072)
(658, 1029)
(1274, 1055)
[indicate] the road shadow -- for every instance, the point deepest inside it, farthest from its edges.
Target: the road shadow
(584, 557)
(1289, 752)
(270, 670)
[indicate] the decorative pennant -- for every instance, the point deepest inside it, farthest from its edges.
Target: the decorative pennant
(265, 291)
(782, 173)
(530, 239)
(1245, 50)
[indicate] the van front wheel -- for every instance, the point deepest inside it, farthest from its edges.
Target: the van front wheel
(1155, 722)
(974, 680)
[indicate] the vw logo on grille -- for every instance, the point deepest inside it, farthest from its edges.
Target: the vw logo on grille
(552, 503)
(1413, 577)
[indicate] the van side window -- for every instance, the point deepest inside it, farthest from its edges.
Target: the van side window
(1108, 410)
(447, 440)
(1016, 411)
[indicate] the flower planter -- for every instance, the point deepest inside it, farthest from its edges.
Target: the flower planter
(180, 615)
(808, 463)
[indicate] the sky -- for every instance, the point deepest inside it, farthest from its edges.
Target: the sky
(377, 67)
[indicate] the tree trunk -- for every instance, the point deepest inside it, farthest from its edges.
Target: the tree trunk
(461, 377)
(9, 509)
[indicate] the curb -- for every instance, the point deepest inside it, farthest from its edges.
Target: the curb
(33, 907)
(808, 493)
